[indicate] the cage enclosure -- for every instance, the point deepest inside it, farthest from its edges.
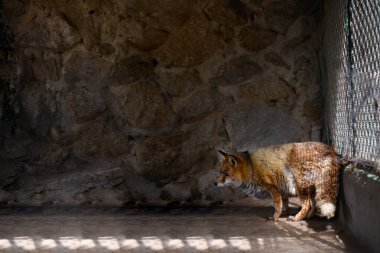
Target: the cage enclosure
(123, 103)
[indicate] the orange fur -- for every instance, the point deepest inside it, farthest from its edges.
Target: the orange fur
(308, 170)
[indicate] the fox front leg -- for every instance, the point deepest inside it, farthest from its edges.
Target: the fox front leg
(277, 203)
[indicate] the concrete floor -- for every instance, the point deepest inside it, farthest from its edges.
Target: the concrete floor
(234, 228)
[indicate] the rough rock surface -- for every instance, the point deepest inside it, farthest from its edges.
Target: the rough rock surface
(261, 126)
(121, 102)
(229, 13)
(269, 89)
(52, 32)
(255, 38)
(141, 105)
(192, 44)
(236, 71)
(281, 14)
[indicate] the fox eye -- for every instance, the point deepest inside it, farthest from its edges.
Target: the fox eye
(233, 161)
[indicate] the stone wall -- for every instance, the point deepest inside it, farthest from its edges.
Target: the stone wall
(115, 102)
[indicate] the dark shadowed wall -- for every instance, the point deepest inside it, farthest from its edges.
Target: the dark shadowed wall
(359, 204)
(113, 102)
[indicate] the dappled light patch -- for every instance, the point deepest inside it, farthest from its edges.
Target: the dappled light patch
(240, 243)
(5, 244)
(25, 243)
(164, 243)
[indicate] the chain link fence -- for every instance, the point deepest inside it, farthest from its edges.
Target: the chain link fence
(351, 78)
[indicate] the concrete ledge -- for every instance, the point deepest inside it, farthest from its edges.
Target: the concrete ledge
(359, 206)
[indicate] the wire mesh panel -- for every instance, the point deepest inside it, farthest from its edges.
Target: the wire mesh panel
(336, 88)
(365, 36)
(352, 77)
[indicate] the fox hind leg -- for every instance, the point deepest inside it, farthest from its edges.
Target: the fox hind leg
(305, 207)
(311, 212)
(285, 204)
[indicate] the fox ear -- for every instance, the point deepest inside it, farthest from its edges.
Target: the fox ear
(231, 159)
(222, 152)
(221, 155)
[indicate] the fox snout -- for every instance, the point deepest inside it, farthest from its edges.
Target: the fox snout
(219, 184)
(220, 180)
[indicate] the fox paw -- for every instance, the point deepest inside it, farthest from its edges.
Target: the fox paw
(271, 219)
(291, 218)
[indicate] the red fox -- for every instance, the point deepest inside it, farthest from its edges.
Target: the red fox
(308, 170)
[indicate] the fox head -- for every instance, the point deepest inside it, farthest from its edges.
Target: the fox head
(232, 169)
